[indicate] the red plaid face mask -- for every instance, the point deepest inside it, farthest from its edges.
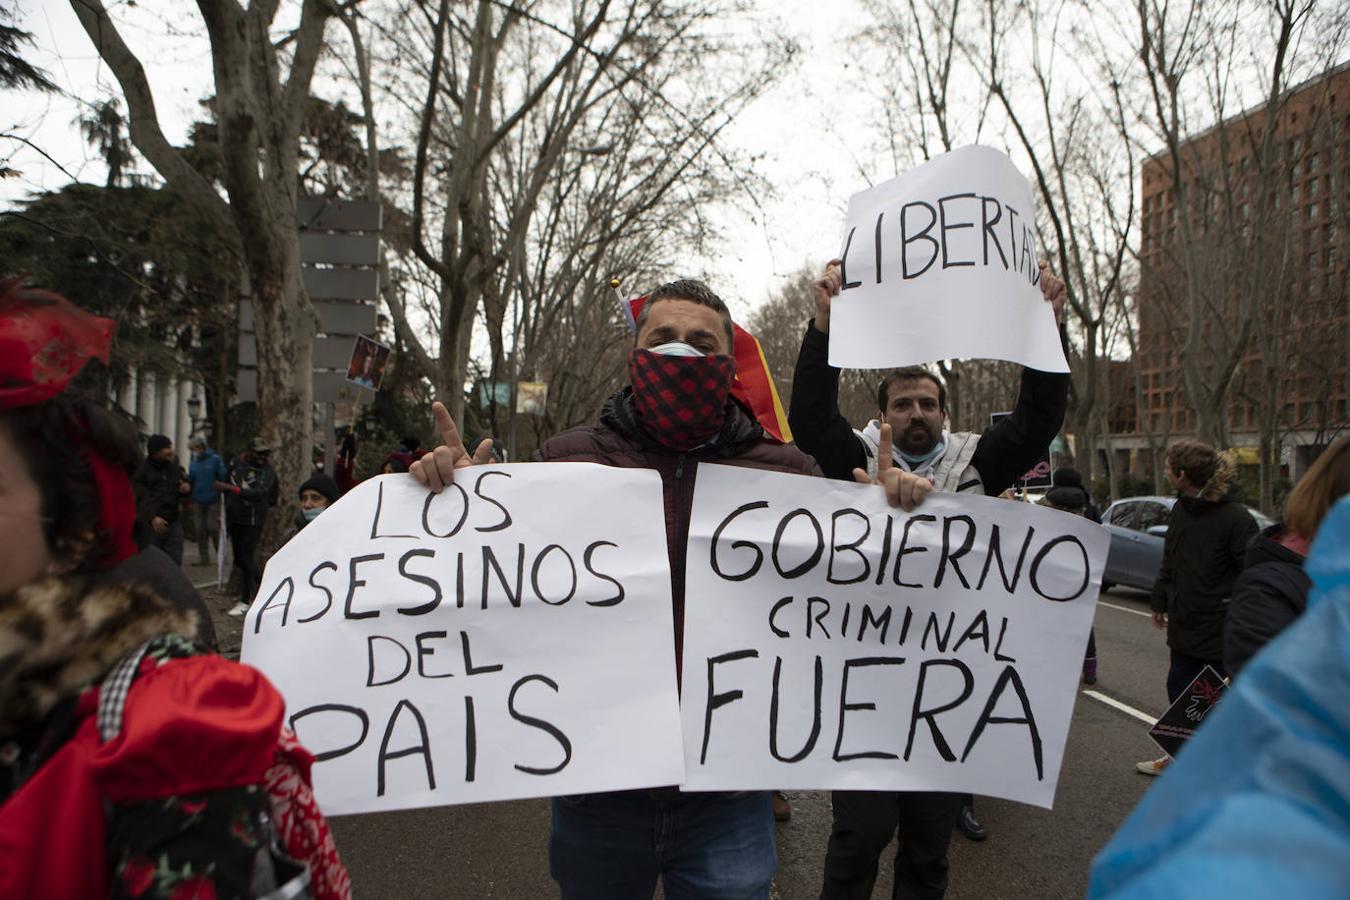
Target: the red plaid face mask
(681, 400)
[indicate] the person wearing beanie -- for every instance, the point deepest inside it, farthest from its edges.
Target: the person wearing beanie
(316, 495)
(159, 485)
(1070, 478)
(1068, 494)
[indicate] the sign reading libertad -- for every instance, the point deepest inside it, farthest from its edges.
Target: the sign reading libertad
(508, 637)
(941, 263)
(832, 641)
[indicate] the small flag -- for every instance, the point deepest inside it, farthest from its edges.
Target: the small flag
(754, 385)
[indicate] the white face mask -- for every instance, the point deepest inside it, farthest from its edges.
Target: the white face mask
(312, 513)
(676, 348)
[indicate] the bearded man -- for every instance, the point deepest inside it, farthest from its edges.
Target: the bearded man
(913, 402)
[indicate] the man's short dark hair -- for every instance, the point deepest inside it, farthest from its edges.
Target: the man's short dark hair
(694, 291)
(909, 373)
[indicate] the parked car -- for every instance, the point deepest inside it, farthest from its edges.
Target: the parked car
(1137, 526)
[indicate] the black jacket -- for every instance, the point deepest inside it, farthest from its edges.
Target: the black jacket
(257, 493)
(155, 485)
(1202, 556)
(1005, 451)
(1268, 596)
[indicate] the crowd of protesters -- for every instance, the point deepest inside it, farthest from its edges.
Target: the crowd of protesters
(104, 640)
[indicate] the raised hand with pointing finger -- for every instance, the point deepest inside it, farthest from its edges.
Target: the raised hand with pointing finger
(903, 489)
(437, 468)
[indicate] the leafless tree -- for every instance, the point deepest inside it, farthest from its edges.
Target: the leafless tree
(552, 140)
(778, 323)
(1083, 184)
(259, 116)
(917, 45)
(1222, 253)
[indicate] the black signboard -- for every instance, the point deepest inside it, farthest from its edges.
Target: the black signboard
(1179, 723)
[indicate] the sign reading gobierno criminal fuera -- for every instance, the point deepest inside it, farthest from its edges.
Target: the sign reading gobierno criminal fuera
(941, 263)
(833, 641)
(509, 637)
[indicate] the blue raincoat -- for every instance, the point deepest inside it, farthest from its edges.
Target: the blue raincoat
(1257, 805)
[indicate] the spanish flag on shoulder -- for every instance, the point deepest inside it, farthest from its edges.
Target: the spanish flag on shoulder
(754, 385)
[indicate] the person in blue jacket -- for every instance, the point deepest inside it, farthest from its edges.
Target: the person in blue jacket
(205, 469)
(1258, 802)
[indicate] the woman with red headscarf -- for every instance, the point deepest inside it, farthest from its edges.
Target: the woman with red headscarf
(132, 763)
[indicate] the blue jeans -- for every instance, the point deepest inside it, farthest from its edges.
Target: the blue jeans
(614, 846)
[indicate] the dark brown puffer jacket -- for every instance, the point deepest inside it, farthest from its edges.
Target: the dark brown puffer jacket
(619, 440)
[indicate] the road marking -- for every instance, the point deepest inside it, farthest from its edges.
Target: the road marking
(1123, 707)
(1147, 615)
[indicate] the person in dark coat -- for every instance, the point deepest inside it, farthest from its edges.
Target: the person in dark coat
(676, 414)
(160, 486)
(913, 403)
(1272, 590)
(1202, 556)
(250, 493)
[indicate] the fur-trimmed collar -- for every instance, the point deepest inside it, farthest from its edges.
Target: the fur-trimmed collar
(60, 635)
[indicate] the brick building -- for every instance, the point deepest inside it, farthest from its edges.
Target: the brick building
(1290, 383)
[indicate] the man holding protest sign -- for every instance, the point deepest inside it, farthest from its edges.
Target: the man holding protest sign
(912, 405)
(677, 413)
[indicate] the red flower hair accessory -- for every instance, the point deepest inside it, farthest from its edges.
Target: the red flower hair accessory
(45, 340)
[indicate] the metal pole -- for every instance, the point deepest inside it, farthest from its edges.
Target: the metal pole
(330, 441)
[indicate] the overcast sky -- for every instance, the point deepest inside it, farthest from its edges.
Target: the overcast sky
(802, 128)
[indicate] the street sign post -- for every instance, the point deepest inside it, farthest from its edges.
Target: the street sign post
(340, 256)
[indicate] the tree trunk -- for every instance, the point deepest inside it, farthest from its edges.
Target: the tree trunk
(284, 322)
(259, 117)
(1270, 442)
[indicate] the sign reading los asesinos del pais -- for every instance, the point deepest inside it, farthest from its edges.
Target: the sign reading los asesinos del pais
(508, 637)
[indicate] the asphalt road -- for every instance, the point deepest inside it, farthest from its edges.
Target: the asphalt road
(500, 850)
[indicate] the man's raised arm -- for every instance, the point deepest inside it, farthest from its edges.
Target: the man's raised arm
(1011, 447)
(813, 410)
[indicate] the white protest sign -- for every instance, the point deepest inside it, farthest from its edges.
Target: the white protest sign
(940, 263)
(833, 641)
(509, 637)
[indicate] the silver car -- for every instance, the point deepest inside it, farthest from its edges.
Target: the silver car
(1137, 526)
